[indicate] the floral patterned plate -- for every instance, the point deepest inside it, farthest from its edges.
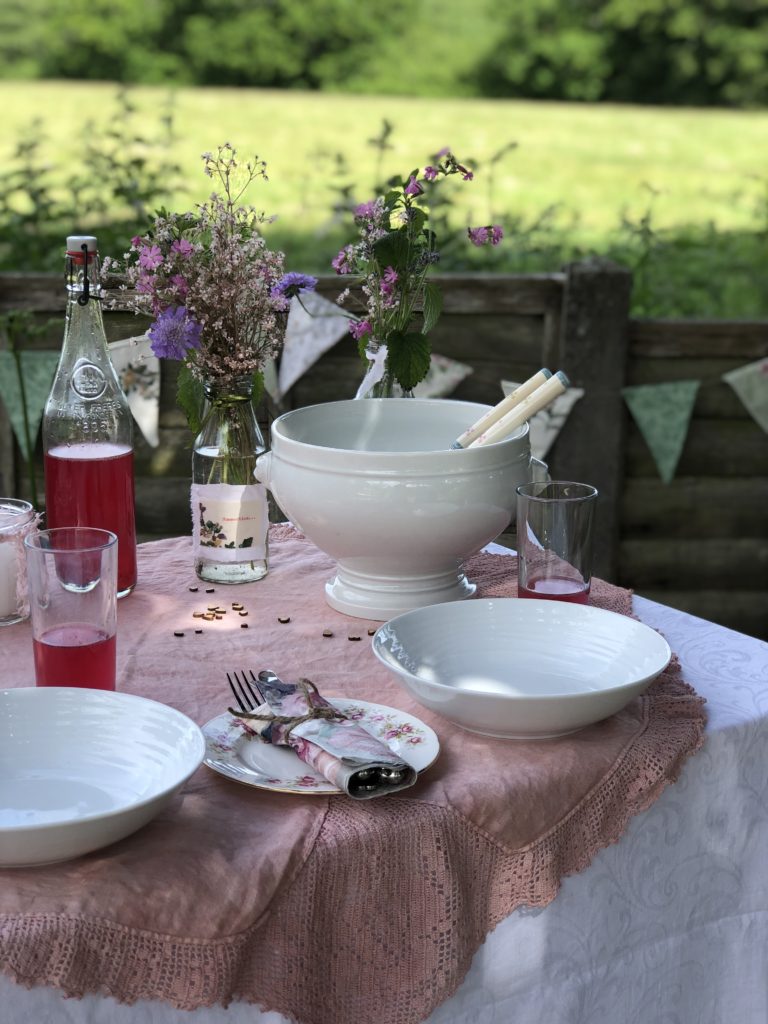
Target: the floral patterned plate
(230, 752)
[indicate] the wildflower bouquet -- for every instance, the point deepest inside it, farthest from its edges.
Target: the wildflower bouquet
(218, 295)
(391, 262)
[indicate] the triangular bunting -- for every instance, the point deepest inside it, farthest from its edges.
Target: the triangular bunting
(314, 326)
(545, 425)
(138, 370)
(750, 383)
(663, 413)
(37, 369)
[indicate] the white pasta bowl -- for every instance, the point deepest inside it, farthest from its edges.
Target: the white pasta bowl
(80, 769)
(519, 668)
(375, 485)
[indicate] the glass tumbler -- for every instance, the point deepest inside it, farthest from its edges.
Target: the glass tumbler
(555, 526)
(72, 574)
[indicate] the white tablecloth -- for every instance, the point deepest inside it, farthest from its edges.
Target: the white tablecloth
(668, 926)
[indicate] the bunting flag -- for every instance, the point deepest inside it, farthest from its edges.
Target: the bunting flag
(545, 425)
(662, 413)
(38, 369)
(443, 377)
(312, 330)
(750, 383)
(138, 370)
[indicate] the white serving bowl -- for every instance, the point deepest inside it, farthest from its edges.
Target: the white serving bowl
(374, 484)
(519, 668)
(80, 769)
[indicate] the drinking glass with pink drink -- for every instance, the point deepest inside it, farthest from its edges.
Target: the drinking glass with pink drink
(555, 540)
(72, 573)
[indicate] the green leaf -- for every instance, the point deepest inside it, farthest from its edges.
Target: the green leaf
(433, 306)
(189, 396)
(247, 543)
(392, 250)
(391, 199)
(408, 357)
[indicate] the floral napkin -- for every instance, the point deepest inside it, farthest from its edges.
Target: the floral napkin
(295, 715)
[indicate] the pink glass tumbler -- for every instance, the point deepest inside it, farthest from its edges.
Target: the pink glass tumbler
(72, 575)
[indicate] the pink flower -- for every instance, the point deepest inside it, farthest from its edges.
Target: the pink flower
(359, 329)
(430, 173)
(478, 236)
(182, 247)
(180, 284)
(388, 281)
(145, 284)
(150, 258)
(492, 233)
(341, 263)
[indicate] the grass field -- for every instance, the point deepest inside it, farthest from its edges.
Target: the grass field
(699, 170)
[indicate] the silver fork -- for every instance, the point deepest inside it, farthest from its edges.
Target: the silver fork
(245, 691)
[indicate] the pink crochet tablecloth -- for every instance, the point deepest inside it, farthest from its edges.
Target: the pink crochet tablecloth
(326, 910)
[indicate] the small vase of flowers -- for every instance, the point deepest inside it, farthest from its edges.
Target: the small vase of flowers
(391, 262)
(219, 298)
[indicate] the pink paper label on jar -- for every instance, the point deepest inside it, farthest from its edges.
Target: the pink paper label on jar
(229, 522)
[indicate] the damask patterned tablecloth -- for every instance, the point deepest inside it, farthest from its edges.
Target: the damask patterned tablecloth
(673, 916)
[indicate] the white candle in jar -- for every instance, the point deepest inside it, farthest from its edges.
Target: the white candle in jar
(16, 518)
(8, 600)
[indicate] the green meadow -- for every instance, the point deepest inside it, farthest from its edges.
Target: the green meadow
(638, 183)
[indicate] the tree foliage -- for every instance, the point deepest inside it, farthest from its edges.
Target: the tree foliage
(682, 52)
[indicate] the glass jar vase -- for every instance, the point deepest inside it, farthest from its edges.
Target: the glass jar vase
(378, 380)
(230, 514)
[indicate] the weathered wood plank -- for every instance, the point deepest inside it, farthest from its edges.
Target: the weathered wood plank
(594, 356)
(714, 448)
(743, 340)
(695, 507)
(657, 371)
(739, 563)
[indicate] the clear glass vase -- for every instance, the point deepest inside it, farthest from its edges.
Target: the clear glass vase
(379, 381)
(230, 514)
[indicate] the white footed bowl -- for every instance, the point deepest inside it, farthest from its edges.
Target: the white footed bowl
(374, 484)
(519, 668)
(80, 769)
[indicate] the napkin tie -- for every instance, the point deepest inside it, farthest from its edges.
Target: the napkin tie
(291, 721)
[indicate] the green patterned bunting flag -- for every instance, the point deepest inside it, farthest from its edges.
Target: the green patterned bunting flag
(38, 369)
(750, 383)
(663, 413)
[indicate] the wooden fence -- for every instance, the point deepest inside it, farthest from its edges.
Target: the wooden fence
(699, 543)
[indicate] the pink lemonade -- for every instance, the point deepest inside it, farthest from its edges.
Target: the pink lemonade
(75, 655)
(556, 588)
(92, 485)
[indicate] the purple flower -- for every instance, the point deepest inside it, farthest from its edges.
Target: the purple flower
(359, 328)
(366, 211)
(150, 258)
(182, 247)
(430, 173)
(174, 333)
(413, 188)
(445, 151)
(478, 236)
(497, 234)
(466, 175)
(293, 283)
